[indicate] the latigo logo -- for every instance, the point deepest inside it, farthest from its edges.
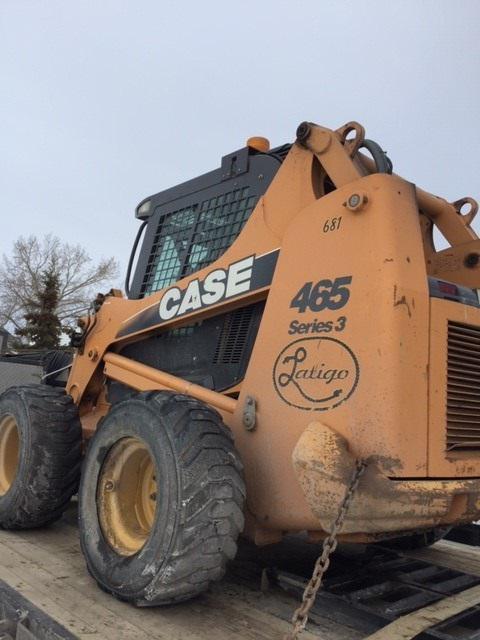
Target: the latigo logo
(316, 374)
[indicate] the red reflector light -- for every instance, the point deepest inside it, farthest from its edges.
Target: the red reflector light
(448, 288)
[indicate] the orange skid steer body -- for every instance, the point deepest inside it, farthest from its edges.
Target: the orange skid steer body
(298, 291)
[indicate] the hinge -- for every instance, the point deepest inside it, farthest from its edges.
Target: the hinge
(235, 164)
(249, 413)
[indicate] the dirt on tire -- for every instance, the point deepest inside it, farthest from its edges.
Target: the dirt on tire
(49, 455)
(199, 512)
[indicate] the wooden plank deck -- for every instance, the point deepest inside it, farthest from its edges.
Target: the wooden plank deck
(412, 624)
(46, 567)
(452, 555)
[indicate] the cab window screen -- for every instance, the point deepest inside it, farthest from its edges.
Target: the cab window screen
(193, 237)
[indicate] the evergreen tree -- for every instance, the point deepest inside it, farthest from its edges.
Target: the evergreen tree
(43, 327)
(80, 278)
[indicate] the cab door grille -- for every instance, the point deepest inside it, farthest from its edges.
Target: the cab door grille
(463, 387)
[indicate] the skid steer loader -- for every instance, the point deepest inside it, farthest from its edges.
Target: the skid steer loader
(288, 315)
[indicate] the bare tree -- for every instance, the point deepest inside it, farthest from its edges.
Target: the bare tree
(78, 276)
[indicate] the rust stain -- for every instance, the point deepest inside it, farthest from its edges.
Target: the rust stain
(401, 301)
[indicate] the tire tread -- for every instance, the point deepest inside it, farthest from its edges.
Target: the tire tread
(54, 459)
(212, 492)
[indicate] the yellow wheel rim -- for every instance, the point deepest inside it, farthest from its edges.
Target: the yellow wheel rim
(126, 496)
(9, 452)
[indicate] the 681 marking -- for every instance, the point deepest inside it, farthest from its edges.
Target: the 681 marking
(332, 224)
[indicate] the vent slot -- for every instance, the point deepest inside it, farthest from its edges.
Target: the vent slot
(463, 387)
(233, 338)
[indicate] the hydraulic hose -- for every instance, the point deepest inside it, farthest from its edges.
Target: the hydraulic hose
(132, 257)
(382, 161)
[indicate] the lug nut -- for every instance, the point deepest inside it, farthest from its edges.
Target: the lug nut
(109, 485)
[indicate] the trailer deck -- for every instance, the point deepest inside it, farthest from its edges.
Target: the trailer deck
(46, 572)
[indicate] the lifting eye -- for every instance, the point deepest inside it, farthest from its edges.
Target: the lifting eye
(467, 208)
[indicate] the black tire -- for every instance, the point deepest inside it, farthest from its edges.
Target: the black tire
(49, 455)
(199, 508)
(418, 540)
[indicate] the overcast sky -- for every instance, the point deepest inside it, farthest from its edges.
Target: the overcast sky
(105, 102)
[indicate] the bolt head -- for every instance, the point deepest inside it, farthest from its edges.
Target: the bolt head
(354, 200)
(472, 260)
(93, 354)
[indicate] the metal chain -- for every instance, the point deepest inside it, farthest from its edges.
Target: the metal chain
(300, 617)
